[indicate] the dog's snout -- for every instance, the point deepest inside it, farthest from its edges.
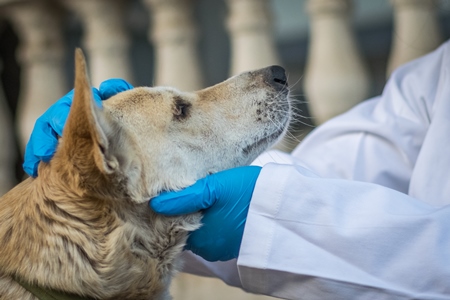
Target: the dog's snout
(277, 77)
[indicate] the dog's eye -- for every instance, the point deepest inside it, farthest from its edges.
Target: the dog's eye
(181, 108)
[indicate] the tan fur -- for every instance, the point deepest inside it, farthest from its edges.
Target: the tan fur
(83, 226)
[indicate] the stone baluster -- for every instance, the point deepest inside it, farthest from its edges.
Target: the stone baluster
(416, 31)
(8, 152)
(335, 78)
(41, 56)
(251, 32)
(105, 38)
(174, 35)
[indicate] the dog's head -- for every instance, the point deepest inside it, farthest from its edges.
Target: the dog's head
(146, 140)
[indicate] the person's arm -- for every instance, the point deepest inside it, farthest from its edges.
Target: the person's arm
(315, 238)
(340, 239)
(322, 238)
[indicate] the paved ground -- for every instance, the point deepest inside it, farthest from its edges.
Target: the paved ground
(190, 287)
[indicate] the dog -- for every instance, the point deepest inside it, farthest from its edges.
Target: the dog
(83, 227)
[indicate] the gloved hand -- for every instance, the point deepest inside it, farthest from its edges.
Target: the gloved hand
(224, 198)
(49, 126)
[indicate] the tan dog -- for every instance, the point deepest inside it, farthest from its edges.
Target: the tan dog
(83, 226)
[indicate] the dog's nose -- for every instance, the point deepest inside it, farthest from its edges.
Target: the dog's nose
(277, 77)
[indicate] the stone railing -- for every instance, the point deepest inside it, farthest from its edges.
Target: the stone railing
(336, 77)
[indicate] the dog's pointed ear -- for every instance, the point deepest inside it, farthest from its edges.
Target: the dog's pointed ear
(84, 140)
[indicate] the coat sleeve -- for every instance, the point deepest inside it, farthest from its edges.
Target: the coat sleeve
(308, 237)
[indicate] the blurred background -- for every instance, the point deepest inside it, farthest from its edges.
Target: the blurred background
(337, 53)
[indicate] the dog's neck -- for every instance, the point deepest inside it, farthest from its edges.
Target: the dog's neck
(46, 222)
(60, 237)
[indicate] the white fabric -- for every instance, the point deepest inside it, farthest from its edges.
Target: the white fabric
(374, 223)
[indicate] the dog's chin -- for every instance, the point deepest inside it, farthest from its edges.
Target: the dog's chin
(256, 148)
(249, 152)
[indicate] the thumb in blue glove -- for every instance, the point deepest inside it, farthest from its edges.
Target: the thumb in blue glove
(44, 138)
(224, 198)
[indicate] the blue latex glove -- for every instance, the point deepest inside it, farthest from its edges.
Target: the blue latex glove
(224, 198)
(49, 126)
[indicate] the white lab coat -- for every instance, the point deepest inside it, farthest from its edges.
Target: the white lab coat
(361, 209)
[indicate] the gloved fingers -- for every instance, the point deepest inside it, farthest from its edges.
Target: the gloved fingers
(214, 242)
(189, 200)
(32, 161)
(44, 139)
(225, 185)
(41, 146)
(57, 121)
(113, 86)
(197, 244)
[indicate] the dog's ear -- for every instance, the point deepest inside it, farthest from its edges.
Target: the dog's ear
(84, 140)
(95, 152)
